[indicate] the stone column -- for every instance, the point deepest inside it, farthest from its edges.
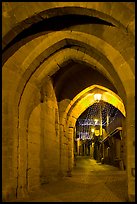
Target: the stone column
(70, 150)
(22, 161)
(61, 135)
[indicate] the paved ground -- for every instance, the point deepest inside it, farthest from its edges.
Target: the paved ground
(90, 182)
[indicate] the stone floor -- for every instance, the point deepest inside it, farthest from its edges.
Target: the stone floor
(90, 182)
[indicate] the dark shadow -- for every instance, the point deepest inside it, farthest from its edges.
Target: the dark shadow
(55, 23)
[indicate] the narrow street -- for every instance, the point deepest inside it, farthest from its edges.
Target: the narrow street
(90, 182)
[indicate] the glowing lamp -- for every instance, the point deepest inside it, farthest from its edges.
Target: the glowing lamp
(96, 120)
(97, 97)
(92, 130)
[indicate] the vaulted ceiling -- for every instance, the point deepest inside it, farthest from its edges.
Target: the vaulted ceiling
(86, 43)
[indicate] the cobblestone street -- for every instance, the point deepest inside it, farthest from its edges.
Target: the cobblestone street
(90, 182)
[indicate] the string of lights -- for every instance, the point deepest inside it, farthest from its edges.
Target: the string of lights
(93, 112)
(87, 119)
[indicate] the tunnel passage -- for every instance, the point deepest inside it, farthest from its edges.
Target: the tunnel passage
(33, 93)
(83, 101)
(99, 135)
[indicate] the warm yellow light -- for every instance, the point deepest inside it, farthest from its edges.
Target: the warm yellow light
(96, 120)
(97, 97)
(92, 130)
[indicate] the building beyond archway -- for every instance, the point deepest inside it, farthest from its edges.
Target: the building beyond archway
(53, 53)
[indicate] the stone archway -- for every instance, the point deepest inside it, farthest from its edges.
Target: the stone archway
(26, 70)
(47, 10)
(78, 105)
(33, 143)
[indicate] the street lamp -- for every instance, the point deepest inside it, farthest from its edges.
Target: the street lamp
(107, 121)
(92, 130)
(97, 98)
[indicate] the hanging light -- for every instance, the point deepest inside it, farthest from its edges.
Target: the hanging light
(92, 130)
(97, 97)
